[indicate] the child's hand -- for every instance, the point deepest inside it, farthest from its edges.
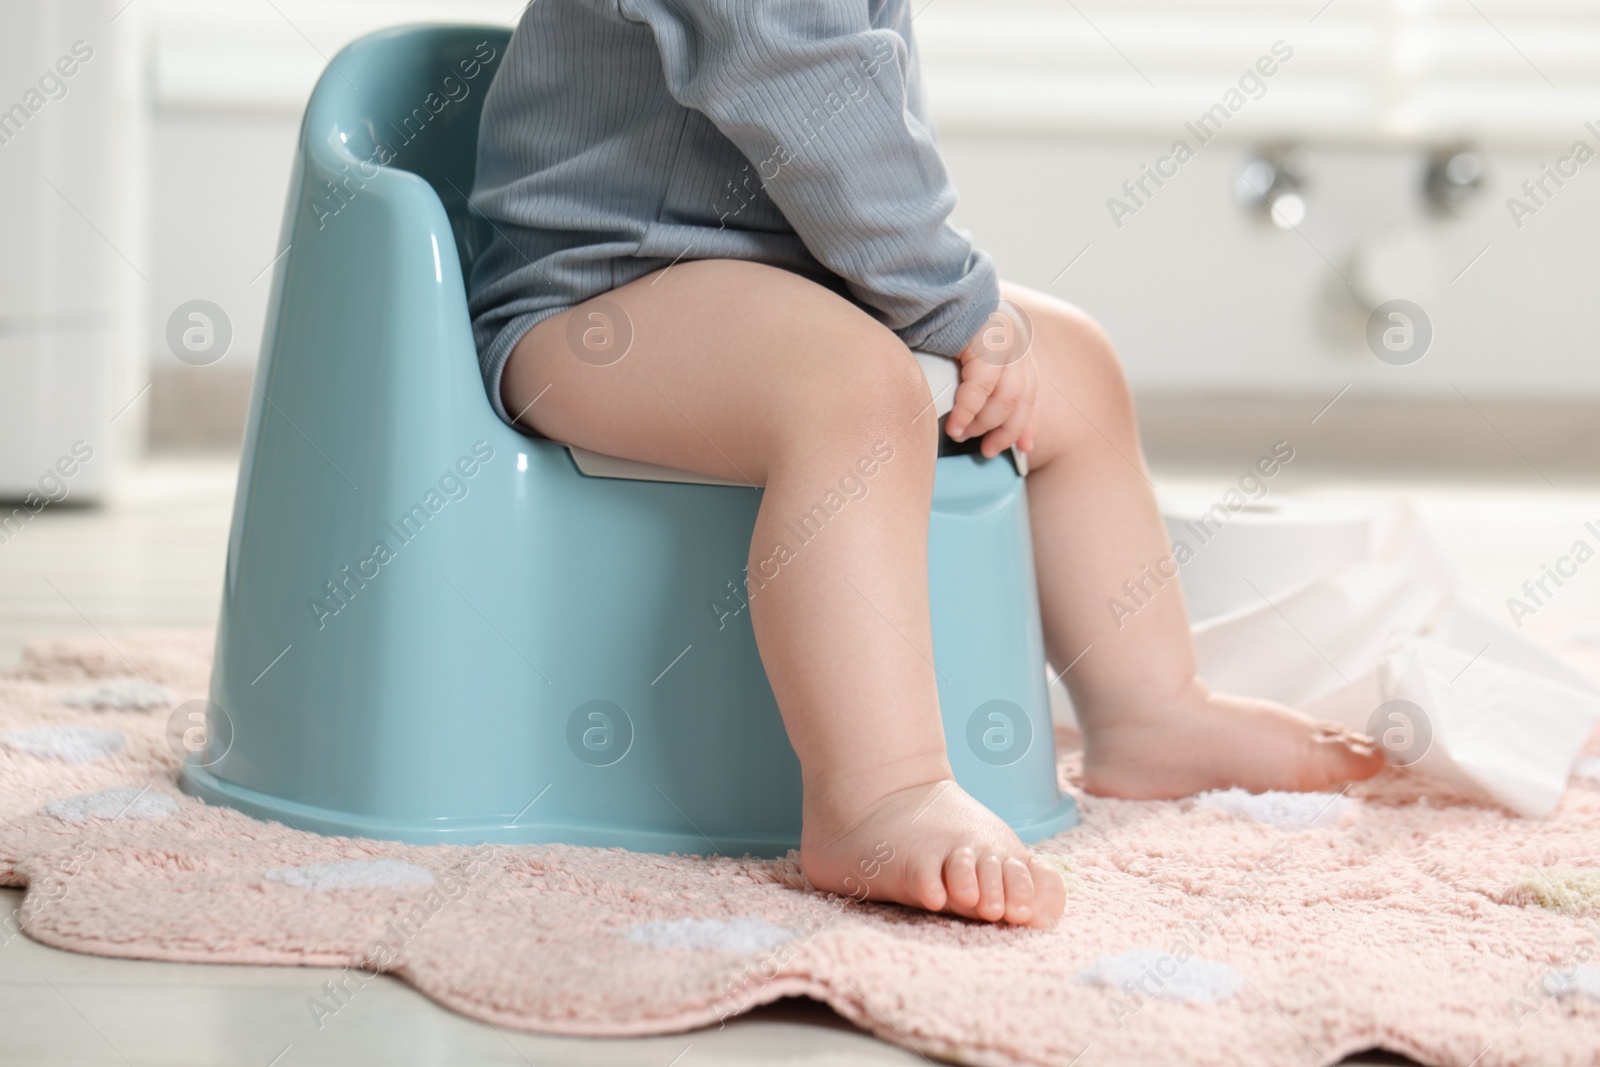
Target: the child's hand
(999, 385)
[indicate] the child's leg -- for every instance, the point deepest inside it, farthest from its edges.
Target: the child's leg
(753, 373)
(1150, 727)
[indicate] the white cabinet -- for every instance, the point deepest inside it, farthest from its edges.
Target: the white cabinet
(74, 257)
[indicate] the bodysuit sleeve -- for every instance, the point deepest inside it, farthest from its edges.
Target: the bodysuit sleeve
(817, 100)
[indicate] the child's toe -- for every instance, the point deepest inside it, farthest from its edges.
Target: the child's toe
(961, 880)
(991, 889)
(925, 883)
(1019, 891)
(1340, 755)
(1049, 894)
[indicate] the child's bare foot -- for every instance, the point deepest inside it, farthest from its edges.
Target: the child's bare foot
(1209, 741)
(930, 846)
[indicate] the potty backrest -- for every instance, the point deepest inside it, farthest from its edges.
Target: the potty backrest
(410, 98)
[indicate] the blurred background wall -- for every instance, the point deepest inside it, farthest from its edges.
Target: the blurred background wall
(1234, 312)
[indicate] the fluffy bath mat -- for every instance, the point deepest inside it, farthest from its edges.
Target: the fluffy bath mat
(1228, 929)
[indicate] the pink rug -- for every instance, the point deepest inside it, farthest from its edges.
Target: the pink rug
(1275, 930)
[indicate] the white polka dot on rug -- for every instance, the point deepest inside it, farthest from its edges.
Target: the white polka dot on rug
(1587, 768)
(1295, 811)
(69, 744)
(745, 936)
(354, 874)
(1155, 973)
(1582, 981)
(120, 802)
(121, 694)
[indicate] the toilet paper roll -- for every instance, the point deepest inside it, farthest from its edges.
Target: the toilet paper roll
(1231, 559)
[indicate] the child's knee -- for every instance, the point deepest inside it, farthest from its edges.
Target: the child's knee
(1075, 348)
(1078, 362)
(872, 379)
(892, 397)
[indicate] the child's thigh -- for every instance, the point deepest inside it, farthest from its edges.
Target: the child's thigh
(721, 367)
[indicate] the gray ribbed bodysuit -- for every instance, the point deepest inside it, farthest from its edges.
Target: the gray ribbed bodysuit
(620, 136)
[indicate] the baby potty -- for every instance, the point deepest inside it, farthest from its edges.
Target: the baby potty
(436, 629)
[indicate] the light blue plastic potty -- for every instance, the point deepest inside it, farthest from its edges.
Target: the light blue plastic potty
(436, 629)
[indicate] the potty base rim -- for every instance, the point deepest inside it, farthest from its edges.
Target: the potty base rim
(199, 782)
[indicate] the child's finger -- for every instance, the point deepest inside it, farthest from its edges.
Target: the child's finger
(1016, 385)
(1010, 432)
(1003, 400)
(1030, 436)
(978, 380)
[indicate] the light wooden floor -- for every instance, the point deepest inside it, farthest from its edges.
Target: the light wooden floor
(153, 557)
